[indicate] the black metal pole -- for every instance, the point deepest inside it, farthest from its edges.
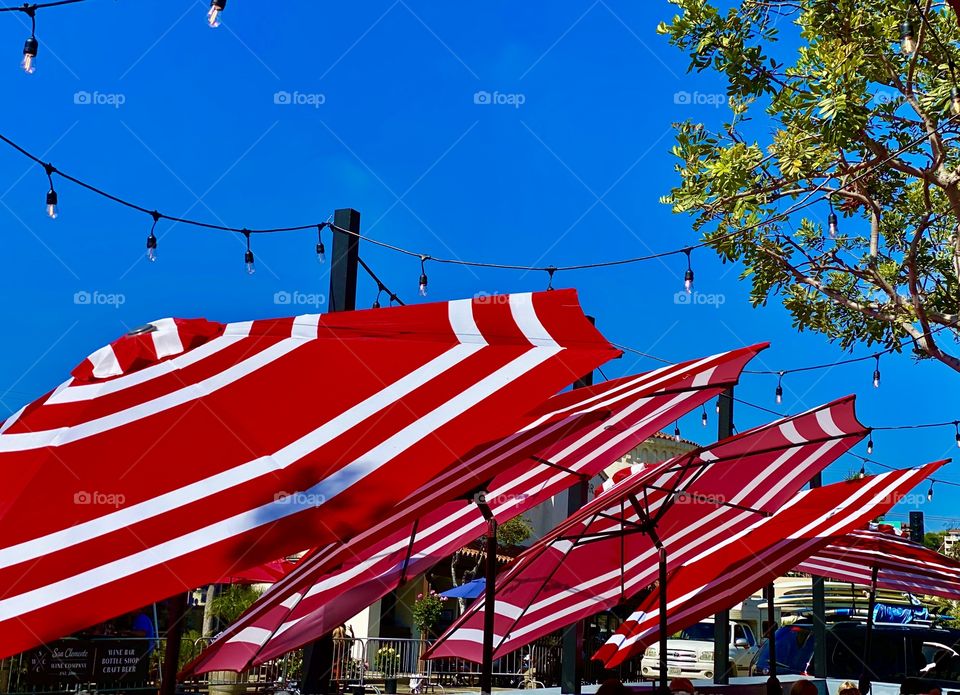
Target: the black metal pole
(571, 643)
(721, 621)
(819, 613)
(664, 687)
(344, 265)
(489, 598)
(176, 612)
(773, 683)
(868, 637)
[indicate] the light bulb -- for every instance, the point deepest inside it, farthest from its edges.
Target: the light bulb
(676, 432)
(423, 284)
(779, 394)
(957, 438)
(718, 406)
(688, 281)
(930, 493)
(213, 14)
(29, 62)
(832, 224)
(152, 247)
(908, 43)
(863, 471)
(321, 253)
(876, 378)
(52, 210)
(703, 418)
(870, 446)
(248, 260)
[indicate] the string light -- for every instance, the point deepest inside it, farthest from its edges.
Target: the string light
(152, 240)
(956, 431)
(248, 256)
(870, 444)
(423, 276)
(930, 492)
(381, 287)
(688, 276)
(213, 14)
(779, 391)
(31, 45)
(52, 209)
(676, 431)
(703, 417)
(876, 372)
(831, 219)
(718, 406)
(550, 271)
(863, 470)
(321, 251)
(908, 43)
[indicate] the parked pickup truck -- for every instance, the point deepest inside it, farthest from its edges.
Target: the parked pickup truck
(690, 652)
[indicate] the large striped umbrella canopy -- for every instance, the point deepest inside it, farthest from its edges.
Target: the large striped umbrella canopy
(337, 582)
(735, 566)
(604, 553)
(902, 565)
(188, 450)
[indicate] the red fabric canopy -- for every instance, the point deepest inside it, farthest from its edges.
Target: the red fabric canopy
(336, 583)
(732, 568)
(902, 564)
(229, 445)
(603, 554)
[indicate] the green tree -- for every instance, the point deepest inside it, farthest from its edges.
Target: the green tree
(510, 533)
(848, 115)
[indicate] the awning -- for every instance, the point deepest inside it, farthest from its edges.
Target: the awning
(188, 450)
(735, 566)
(902, 564)
(603, 554)
(338, 582)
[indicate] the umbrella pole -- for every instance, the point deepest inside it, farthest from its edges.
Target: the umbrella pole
(489, 598)
(664, 688)
(865, 676)
(773, 683)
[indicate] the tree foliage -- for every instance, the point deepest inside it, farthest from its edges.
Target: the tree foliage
(824, 104)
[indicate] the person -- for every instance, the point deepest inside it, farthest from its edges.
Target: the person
(681, 686)
(529, 674)
(142, 626)
(804, 687)
(612, 686)
(848, 688)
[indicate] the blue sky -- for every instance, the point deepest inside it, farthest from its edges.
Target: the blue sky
(381, 116)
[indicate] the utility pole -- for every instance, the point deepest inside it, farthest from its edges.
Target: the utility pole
(819, 613)
(721, 621)
(318, 655)
(571, 655)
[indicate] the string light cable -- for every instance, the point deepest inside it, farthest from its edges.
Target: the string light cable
(812, 197)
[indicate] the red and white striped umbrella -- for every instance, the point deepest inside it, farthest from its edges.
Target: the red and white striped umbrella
(902, 564)
(184, 452)
(337, 582)
(733, 567)
(604, 554)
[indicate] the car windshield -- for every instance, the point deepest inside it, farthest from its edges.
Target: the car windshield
(700, 631)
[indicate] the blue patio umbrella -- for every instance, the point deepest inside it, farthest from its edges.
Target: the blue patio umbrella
(471, 589)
